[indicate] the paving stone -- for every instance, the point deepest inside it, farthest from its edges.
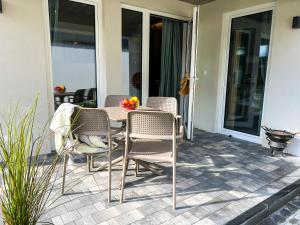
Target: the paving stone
(157, 218)
(205, 221)
(105, 215)
(268, 221)
(70, 216)
(57, 220)
(71, 223)
(88, 220)
(296, 202)
(73, 205)
(87, 210)
(215, 204)
(218, 178)
(185, 219)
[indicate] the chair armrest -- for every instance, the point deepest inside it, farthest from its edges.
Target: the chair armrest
(179, 119)
(178, 124)
(179, 129)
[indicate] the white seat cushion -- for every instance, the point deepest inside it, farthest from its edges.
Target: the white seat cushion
(85, 149)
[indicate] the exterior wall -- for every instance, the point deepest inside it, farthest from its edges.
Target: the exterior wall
(282, 108)
(210, 29)
(24, 55)
(283, 105)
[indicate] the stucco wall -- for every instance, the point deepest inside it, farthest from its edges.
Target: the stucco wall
(282, 108)
(210, 29)
(22, 55)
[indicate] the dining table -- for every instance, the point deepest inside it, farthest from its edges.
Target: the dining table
(119, 114)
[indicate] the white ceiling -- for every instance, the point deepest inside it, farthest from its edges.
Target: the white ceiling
(197, 2)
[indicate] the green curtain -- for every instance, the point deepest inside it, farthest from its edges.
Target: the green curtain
(171, 58)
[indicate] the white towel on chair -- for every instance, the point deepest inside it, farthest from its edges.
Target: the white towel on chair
(61, 123)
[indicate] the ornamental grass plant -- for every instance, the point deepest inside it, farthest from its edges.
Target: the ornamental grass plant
(27, 178)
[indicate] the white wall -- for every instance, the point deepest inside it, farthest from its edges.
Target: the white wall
(282, 96)
(282, 109)
(210, 29)
(22, 56)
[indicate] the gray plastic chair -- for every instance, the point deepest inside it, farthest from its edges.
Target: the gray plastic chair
(114, 100)
(90, 122)
(168, 104)
(150, 136)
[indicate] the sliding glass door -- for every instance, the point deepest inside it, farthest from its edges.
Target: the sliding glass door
(73, 51)
(132, 34)
(247, 67)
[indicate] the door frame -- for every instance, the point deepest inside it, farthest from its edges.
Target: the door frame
(100, 56)
(146, 41)
(193, 73)
(223, 69)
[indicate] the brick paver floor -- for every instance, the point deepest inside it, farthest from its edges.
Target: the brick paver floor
(218, 178)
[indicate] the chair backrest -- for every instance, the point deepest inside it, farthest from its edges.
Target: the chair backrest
(79, 96)
(87, 121)
(166, 104)
(151, 125)
(114, 100)
(92, 94)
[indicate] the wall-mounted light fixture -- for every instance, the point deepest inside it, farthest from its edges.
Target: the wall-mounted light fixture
(0, 6)
(296, 22)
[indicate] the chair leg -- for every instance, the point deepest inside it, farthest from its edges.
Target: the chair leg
(109, 177)
(136, 167)
(125, 167)
(174, 185)
(88, 163)
(66, 157)
(92, 162)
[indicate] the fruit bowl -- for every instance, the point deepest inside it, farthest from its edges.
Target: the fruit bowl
(130, 104)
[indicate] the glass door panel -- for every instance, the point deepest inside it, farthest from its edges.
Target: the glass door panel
(73, 50)
(247, 67)
(132, 32)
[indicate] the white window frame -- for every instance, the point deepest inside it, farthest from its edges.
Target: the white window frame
(100, 66)
(146, 41)
(223, 70)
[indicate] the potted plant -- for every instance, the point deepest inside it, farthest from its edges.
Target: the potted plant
(27, 178)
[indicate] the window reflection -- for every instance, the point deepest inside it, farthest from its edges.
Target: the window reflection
(73, 48)
(247, 66)
(132, 52)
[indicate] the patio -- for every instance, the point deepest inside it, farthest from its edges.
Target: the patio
(218, 178)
